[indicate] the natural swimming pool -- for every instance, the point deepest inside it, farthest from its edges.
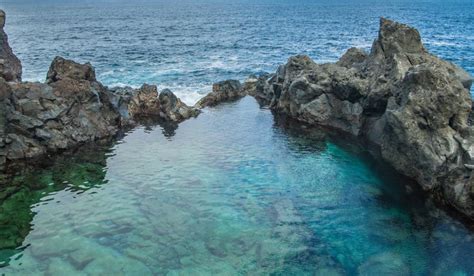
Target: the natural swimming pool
(234, 191)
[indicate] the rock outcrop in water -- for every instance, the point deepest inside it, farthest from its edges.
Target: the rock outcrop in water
(412, 105)
(146, 102)
(223, 91)
(71, 108)
(42, 118)
(10, 65)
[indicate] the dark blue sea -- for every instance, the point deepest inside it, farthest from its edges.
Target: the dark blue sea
(188, 45)
(235, 191)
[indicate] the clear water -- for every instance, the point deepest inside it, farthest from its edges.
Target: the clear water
(231, 192)
(187, 45)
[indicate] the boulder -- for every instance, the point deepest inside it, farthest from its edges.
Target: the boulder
(173, 109)
(397, 38)
(63, 69)
(223, 91)
(414, 107)
(10, 65)
(353, 57)
(145, 103)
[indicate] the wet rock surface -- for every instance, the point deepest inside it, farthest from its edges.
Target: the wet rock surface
(413, 106)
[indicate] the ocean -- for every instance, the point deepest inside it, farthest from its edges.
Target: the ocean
(188, 45)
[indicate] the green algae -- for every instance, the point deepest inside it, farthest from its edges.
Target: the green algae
(31, 188)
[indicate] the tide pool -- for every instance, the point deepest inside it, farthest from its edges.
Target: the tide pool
(234, 191)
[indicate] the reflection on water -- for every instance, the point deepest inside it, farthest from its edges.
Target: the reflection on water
(232, 192)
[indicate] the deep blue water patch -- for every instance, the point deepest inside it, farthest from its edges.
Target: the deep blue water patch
(188, 45)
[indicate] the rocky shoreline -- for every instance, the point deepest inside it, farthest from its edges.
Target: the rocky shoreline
(413, 107)
(409, 104)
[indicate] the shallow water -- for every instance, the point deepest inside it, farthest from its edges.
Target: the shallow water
(233, 191)
(187, 45)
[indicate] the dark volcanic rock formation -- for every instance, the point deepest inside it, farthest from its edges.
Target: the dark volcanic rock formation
(412, 105)
(173, 109)
(63, 69)
(73, 108)
(43, 118)
(223, 91)
(70, 109)
(10, 65)
(145, 102)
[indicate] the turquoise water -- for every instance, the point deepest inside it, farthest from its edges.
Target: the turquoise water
(231, 192)
(234, 191)
(187, 45)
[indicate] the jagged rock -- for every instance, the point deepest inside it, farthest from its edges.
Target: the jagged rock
(145, 102)
(263, 89)
(255, 84)
(412, 105)
(397, 38)
(173, 109)
(74, 108)
(44, 118)
(250, 84)
(63, 69)
(135, 103)
(120, 98)
(10, 65)
(353, 57)
(222, 92)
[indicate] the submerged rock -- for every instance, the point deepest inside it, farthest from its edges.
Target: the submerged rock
(412, 105)
(384, 264)
(10, 65)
